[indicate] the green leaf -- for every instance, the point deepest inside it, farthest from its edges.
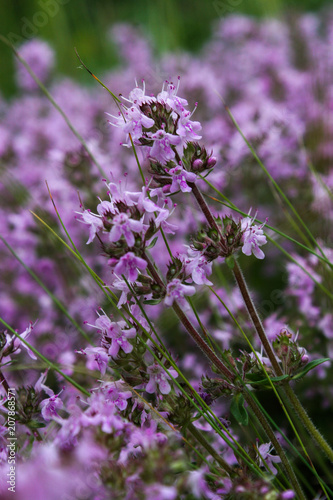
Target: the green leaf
(152, 302)
(238, 410)
(310, 366)
(254, 379)
(152, 243)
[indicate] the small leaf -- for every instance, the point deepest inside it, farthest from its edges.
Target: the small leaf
(238, 410)
(152, 302)
(152, 243)
(253, 378)
(310, 366)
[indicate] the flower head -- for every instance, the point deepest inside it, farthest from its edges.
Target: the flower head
(158, 378)
(253, 237)
(175, 290)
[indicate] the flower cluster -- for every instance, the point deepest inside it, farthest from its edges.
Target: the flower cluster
(114, 417)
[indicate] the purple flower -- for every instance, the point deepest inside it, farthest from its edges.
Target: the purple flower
(198, 268)
(121, 285)
(180, 177)
(18, 343)
(114, 394)
(128, 266)
(265, 455)
(287, 495)
(161, 220)
(97, 358)
(175, 290)
(118, 335)
(161, 492)
(188, 129)
(137, 96)
(169, 98)
(253, 237)
(158, 378)
(40, 57)
(50, 405)
(131, 122)
(93, 221)
(162, 150)
(124, 226)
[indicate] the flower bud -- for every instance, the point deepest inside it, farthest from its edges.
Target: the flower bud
(211, 162)
(197, 164)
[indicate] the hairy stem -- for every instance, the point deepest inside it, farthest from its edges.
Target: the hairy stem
(202, 440)
(288, 391)
(204, 207)
(241, 284)
(255, 319)
(278, 448)
(307, 422)
(201, 343)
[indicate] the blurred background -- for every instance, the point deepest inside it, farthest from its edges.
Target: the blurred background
(172, 25)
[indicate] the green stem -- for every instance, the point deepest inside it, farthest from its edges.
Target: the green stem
(4, 382)
(202, 440)
(278, 448)
(307, 422)
(255, 318)
(201, 343)
(264, 340)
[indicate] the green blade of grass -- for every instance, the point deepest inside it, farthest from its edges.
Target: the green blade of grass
(46, 361)
(56, 301)
(274, 183)
(54, 104)
(228, 203)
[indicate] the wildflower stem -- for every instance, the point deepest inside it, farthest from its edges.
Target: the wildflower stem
(204, 207)
(288, 391)
(307, 422)
(278, 448)
(190, 328)
(202, 343)
(4, 382)
(255, 318)
(202, 440)
(241, 284)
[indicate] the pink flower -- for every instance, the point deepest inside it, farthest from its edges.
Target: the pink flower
(175, 290)
(131, 122)
(158, 378)
(265, 455)
(162, 150)
(18, 343)
(115, 395)
(124, 226)
(128, 266)
(137, 96)
(118, 335)
(97, 358)
(188, 129)
(93, 221)
(180, 177)
(50, 405)
(169, 98)
(199, 268)
(253, 238)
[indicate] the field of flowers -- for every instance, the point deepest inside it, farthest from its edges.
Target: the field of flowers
(166, 262)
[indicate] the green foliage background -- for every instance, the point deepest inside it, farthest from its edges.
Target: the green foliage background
(171, 25)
